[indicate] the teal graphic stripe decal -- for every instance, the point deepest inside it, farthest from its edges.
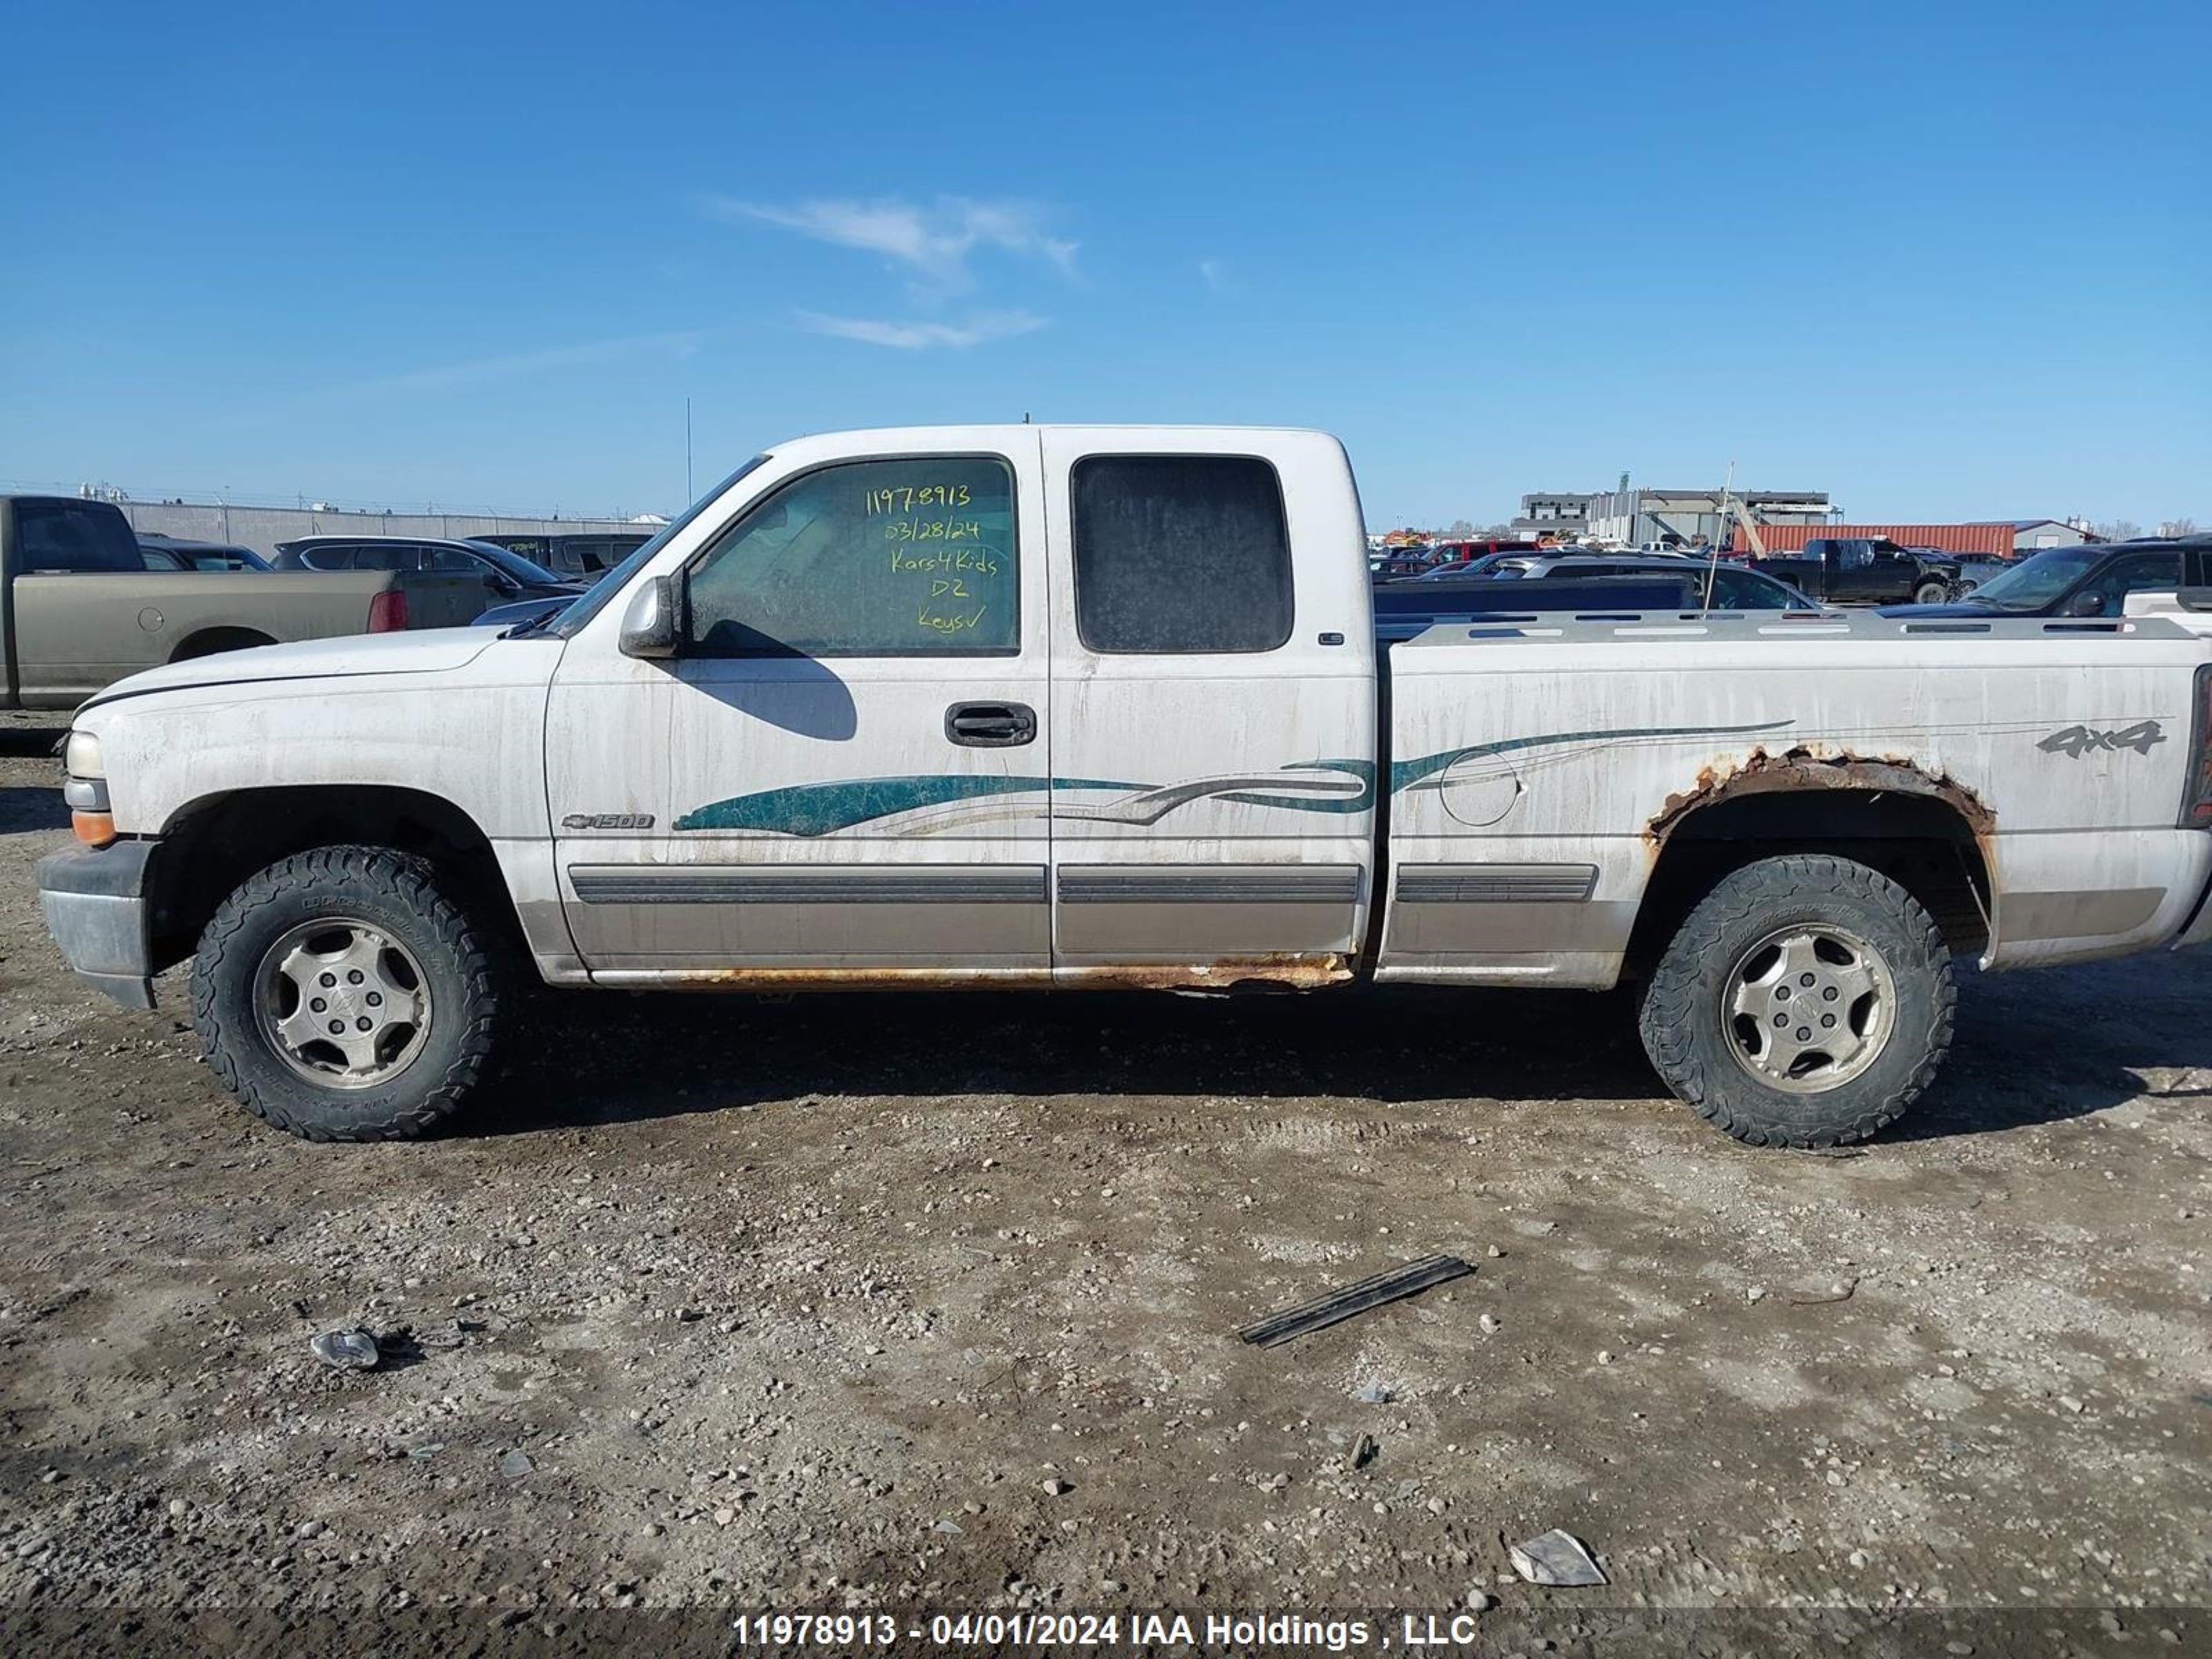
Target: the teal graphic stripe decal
(1363, 801)
(1407, 771)
(822, 809)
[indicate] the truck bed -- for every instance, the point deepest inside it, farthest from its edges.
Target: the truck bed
(1537, 770)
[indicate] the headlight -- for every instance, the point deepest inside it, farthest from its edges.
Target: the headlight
(82, 758)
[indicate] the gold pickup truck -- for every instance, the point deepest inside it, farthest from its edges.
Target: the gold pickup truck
(80, 608)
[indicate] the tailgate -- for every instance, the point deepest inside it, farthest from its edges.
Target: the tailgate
(444, 601)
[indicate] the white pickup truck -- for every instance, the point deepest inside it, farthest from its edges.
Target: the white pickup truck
(1102, 707)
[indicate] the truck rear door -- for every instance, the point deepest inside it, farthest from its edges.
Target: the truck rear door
(1214, 706)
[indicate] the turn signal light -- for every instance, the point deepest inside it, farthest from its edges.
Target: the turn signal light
(388, 612)
(93, 829)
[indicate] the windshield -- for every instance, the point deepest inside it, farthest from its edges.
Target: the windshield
(2037, 581)
(522, 569)
(595, 597)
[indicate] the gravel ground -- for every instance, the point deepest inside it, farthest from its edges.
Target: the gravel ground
(909, 1303)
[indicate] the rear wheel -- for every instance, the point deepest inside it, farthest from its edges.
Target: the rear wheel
(1807, 1001)
(343, 994)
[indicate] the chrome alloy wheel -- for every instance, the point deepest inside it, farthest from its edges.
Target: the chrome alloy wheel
(342, 1003)
(1808, 1007)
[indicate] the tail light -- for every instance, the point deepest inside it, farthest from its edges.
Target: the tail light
(2196, 804)
(388, 612)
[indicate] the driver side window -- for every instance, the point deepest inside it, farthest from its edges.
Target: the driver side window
(890, 558)
(2122, 577)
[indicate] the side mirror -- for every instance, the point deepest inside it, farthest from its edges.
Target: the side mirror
(651, 623)
(2085, 604)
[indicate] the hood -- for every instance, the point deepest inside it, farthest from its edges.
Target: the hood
(430, 651)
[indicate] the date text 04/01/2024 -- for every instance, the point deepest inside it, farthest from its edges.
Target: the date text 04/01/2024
(1147, 1630)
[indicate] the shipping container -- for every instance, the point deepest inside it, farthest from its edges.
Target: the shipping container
(1990, 540)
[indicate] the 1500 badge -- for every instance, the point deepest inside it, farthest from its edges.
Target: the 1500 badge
(607, 821)
(2078, 740)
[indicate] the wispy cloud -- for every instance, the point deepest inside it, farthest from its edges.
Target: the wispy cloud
(441, 377)
(977, 328)
(935, 241)
(1214, 275)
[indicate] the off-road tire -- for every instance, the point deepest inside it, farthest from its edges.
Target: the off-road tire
(1931, 593)
(393, 891)
(1686, 1038)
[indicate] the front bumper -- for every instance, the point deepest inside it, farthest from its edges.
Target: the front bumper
(99, 913)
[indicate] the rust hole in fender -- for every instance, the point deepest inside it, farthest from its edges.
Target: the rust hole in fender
(1819, 767)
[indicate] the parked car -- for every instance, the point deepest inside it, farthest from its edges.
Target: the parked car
(761, 755)
(504, 575)
(580, 556)
(2090, 580)
(1733, 587)
(80, 608)
(1974, 569)
(1458, 569)
(1865, 570)
(1395, 566)
(1405, 610)
(168, 553)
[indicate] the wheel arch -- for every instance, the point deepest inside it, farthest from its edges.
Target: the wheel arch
(211, 844)
(209, 641)
(1928, 833)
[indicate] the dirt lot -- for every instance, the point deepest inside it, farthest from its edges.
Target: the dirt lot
(863, 1301)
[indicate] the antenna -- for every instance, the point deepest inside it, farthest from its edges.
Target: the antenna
(1713, 556)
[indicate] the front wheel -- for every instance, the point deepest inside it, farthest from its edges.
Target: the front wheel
(1807, 1001)
(343, 994)
(1931, 593)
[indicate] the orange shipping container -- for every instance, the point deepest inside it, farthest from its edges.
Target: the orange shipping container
(1992, 539)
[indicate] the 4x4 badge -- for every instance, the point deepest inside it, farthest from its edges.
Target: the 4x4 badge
(2078, 740)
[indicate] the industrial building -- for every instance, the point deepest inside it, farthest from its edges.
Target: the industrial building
(1559, 513)
(1633, 517)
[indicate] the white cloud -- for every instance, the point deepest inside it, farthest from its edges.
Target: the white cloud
(934, 241)
(475, 370)
(1214, 275)
(978, 327)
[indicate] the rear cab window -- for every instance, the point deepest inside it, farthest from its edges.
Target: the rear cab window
(1180, 554)
(65, 538)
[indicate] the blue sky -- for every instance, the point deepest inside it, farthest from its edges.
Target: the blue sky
(1944, 261)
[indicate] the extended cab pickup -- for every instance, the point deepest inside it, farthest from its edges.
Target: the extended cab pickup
(1103, 707)
(80, 607)
(1866, 570)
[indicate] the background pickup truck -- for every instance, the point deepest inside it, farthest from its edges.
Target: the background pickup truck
(80, 608)
(1865, 570)
(1077, 706)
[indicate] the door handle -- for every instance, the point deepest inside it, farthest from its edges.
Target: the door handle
(991, 725)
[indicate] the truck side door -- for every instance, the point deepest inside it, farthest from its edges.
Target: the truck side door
(1213, 723)
(844, 772)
